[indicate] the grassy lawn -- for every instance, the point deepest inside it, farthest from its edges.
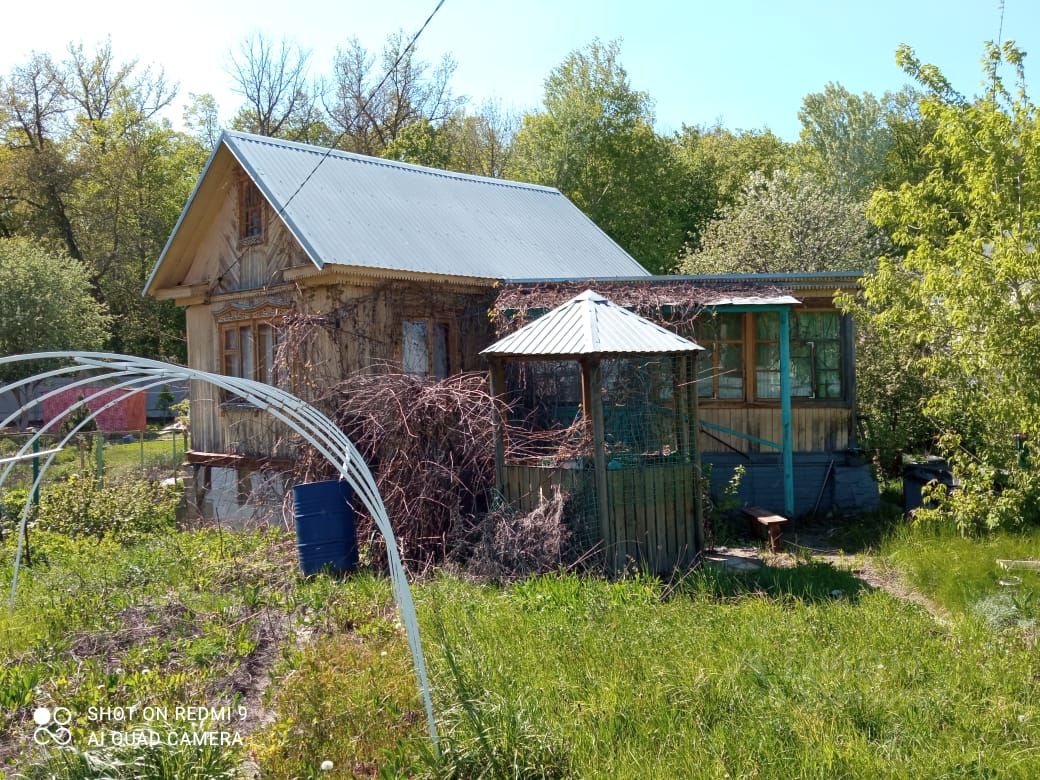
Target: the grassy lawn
(962, 575)
(797, 672)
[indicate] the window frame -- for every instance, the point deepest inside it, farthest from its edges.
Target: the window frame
(712, 346)
(248, 191)
(813, 397)
(750, 396)
(254, 319)
(451, 345)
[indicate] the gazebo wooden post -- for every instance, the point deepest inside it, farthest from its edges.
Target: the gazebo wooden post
(682, 387)
(695, 430)
(497, 381)
(592, 405)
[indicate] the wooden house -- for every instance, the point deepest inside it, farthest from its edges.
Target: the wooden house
(405, 258)
(409, 260)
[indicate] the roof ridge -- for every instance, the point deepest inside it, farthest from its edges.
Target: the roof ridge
(365, 159)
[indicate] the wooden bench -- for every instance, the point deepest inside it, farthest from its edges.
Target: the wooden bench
(766, 524)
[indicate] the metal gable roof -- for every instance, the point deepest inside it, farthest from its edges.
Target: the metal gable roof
(381, 214)
(589, 324)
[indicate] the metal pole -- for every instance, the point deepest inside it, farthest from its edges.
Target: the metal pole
(142, 449)
(99, 460)
(36, 470)
(785, 410)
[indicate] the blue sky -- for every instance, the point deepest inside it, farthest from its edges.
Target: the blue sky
(745, 63)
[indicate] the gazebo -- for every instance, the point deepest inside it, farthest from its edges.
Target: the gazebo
(627, 440)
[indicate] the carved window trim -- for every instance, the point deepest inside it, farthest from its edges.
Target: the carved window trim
(260, 323)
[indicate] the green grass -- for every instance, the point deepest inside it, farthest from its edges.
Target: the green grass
(173, 620)
(961, 574)
(800, 672)
(760, 676)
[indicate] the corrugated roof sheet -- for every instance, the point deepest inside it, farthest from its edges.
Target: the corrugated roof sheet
(375, 213)
(589, 324)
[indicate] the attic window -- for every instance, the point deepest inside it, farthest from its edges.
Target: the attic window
(250, 213)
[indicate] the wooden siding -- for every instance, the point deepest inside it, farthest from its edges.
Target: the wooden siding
(814, 428)
(651, 510)
(367, 332)
(225, 264)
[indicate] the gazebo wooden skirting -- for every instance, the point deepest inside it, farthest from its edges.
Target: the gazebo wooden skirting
(638, 459)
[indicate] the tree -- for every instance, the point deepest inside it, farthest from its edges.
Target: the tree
(967, 293)
(86, 164)
(273, 80)
(45, 304)
(202, 118)
(480, 143)
(787, 223)
(715, 164)
(372, 111)
(36, 173)
(595, 141)
(860, 142)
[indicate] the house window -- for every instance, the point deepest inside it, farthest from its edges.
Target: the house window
(426, 348)
(249, 349)
(250, 212)
(815, 355)
(721, 365)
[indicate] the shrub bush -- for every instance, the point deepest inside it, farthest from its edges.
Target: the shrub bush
(124, 510)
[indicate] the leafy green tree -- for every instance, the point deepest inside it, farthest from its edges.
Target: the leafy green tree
(861, 142)
(966, 293)
(202, 118)
(594, 140)
(45, 304)
(725, 159)
(86, 164)
(480, 143)
(787, 223)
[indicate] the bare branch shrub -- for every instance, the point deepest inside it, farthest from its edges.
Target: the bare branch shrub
(512, 544)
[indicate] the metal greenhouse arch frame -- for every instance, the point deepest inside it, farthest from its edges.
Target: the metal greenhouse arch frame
(137, 374)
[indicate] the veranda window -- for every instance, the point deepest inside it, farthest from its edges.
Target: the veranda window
(721, 366)
(815, 355)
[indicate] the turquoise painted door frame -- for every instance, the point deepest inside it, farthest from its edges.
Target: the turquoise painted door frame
(787, 439)
(785, 410)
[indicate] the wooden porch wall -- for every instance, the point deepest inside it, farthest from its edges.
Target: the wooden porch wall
(814, 428)
(651, 510)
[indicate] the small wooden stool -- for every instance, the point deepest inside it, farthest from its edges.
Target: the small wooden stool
(766, 524)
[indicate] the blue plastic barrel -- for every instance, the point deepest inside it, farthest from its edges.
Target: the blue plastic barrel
(326, 537)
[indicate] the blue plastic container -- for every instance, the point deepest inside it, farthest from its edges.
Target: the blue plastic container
(326, 537)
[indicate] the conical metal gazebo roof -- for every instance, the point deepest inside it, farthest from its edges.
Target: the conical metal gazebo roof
(590, 325)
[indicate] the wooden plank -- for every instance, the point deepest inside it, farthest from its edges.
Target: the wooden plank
(660, 527)
(497, 384)
(639, 489)
(593, 405)
(671, 547)
(615, 481)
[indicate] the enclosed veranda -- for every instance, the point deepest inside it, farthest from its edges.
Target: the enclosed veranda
(601, 404)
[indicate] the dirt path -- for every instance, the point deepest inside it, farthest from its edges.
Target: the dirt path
(873, 571)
